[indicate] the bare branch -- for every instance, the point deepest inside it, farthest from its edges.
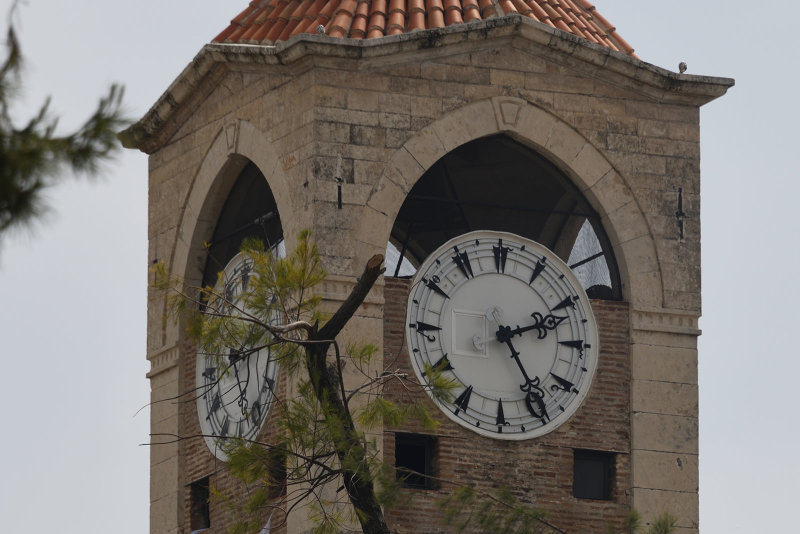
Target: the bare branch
(372, 271)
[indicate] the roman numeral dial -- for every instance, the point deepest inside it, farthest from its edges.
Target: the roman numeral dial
(507, 323)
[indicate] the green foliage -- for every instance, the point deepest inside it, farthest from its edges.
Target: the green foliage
(501, 511)
(663, 524)
(440, 386)
(321, 443)
(381, 411)
(33, 157)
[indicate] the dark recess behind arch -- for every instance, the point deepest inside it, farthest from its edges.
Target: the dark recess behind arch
(249, 211)
(496, 183)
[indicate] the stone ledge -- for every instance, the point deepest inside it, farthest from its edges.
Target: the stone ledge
(336, 288)
(163, 360)
(665, 320)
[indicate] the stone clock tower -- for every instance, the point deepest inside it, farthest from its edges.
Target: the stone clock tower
(535, 188)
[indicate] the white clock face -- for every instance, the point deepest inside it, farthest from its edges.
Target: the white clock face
(507, 321)
(235, 389)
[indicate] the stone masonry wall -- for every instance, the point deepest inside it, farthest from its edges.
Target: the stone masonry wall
(319, 121)
(366, 110)
(173, 171)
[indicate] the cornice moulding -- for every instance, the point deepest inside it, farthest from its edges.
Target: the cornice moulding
(214, 60)
(163, 360)
(666, 321)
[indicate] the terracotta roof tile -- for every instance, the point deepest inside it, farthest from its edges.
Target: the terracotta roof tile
(416, 15)
(269, 21)
(377, 19)
(452, 12)
(471, 10)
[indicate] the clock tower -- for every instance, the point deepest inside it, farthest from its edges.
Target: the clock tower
(535, 188)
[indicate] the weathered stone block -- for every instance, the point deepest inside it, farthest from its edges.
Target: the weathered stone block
(387, 197)
(507, 77)
(665, 471)
(426, 148)
(403, 169)
(363, 100)
(394, 120)
(682, 505)
(610, 193)
(164, 480)
(628, 222)
(667, 398)
(367, 135)
(665, 433)
(664, 363)
(164, 514)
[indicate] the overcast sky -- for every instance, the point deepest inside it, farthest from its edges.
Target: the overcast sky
(73, 291)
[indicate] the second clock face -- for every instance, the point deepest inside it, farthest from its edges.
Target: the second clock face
(508, 322)
(235, 389)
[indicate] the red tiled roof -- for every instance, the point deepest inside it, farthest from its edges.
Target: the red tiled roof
(270, 21)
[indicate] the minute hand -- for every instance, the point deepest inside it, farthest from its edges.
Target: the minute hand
(534, 395)
(504, 335)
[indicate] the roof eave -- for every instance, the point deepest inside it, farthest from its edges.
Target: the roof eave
(210, 64)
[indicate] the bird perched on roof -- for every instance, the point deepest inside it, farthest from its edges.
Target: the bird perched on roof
(682, 67)
(321, 29)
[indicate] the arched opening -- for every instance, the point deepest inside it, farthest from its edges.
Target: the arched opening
(249, 211)
(496, 183)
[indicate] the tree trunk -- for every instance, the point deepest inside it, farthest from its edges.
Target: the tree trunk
(350, 449)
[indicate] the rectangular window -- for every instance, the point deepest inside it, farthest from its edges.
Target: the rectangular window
(277, 473)
(593, 475)
(414, 458)
(200, 513)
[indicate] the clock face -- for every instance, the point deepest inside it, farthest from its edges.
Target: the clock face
(508, 322)
(235, 388)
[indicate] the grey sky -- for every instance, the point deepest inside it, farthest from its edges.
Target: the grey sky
(73, 294)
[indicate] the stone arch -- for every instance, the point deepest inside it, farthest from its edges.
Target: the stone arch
(237, 143)
(585, 165)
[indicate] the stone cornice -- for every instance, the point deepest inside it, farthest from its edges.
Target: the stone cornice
(336, 288)
(201, 76)
(665, 320)
(163, 359)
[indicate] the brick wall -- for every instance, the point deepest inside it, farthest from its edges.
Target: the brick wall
(537, 471)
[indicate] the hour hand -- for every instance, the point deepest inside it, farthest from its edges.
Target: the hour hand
(541, 323)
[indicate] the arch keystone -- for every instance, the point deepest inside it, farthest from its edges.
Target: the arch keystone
(508, 111)
(232, 135)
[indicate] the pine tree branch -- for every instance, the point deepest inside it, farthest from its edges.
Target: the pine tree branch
(372, 271)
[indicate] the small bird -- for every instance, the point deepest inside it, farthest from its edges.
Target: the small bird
(682, 67)
(321, 30)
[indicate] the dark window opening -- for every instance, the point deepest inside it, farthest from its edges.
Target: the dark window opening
(414, 457)
(276, 468)
(496, 183)
(249, 212)
(593, 475)
(200, 511)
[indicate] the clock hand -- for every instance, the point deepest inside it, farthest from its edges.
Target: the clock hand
(541, 324)
(493, 314)
(534, 395)
(233, 358)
